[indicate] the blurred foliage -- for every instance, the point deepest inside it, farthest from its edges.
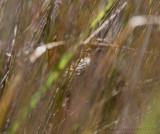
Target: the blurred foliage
(109, 85)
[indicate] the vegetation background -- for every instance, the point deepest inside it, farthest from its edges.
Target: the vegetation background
(79, 66)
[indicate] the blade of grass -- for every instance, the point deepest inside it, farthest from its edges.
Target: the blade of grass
(102, 13)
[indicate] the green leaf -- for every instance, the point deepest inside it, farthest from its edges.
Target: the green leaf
(102, 13)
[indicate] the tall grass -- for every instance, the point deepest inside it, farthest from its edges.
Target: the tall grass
(95, 67)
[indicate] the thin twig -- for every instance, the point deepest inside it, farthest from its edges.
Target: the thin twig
(43, 48)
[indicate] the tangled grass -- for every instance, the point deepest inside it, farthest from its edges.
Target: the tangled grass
(79, 66)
